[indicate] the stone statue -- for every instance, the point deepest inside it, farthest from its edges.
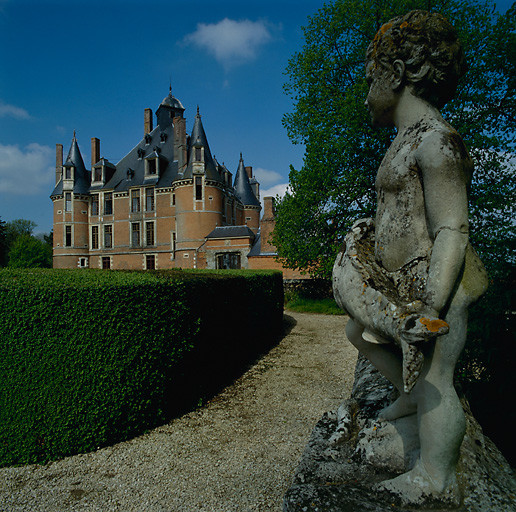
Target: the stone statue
(407, 278)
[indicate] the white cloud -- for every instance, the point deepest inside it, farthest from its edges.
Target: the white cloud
(276, 190)
(266, 177)
(12, 111)
(26, 171)
(231, 42)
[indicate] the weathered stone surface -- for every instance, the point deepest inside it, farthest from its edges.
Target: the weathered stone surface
(338, 473)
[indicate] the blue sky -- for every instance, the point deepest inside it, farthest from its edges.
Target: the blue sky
(94, 65)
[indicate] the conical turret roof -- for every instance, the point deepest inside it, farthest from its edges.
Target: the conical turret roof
(198, 139)
(82, 177)
(242, 187)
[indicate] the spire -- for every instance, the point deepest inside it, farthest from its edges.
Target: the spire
(199, 139)
(81, 175)
(242, 187)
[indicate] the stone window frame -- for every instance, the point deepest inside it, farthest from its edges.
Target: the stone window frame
(68, 200)
(146, 240)
(135, 200)
(68, 235)
(95, 237)
(152, 198)
(146, 258)
(132, 231)
(95, 201)
(108, 200)
(198, 187)
(106, 234)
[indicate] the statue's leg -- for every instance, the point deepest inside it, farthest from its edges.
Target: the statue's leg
(387, 359)
(440, 416)
(441, 420)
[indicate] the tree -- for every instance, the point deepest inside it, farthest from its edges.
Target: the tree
(3, 244)
(19, 227)
(335, 185)
(29, 252)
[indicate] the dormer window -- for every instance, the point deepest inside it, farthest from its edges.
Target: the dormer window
(68, 173)
(198, 154)
(163, 137)
(141, 153)
(97, 174)
(152, 166)
(148, 138)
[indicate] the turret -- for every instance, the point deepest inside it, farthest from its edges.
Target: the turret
(169, 108)
(71, 202)
(247, 197)
(199, 194)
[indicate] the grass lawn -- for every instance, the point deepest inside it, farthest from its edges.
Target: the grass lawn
(321, 306)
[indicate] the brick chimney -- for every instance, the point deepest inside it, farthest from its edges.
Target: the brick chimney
(59, 162)
(267, 224)
(95, 151)
(147, 121)
(249, 171)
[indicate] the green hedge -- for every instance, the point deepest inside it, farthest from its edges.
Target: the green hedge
(89, 358)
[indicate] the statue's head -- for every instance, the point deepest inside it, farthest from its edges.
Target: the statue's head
(428, 46)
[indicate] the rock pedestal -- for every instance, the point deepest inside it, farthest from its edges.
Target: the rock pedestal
(350, 451)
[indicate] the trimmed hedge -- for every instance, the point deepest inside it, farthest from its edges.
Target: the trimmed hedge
(89, 357)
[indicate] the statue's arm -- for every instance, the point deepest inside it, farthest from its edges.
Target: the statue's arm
(445, 166)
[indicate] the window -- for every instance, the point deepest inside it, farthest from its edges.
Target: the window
(150, 262)
(94, 204)
(198, 188)
(108, 203)
(97, 175)
(94, 237)
(108, 237)
(149, 233)
(149, 199)
(228, 260)
(173, 242)
(106, 262)
(152, 166)
(68, 202)
(135, 201)
(135, 234)
(83, 262)
(68, 236)
(198, 154)
(173, 199)
(68, 173)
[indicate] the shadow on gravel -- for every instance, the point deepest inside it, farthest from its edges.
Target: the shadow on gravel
(205, 373)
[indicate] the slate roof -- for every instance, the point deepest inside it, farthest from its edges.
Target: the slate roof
(243, 189)
(198, 137)
(82, 177)
(231, 232)
(134, 161)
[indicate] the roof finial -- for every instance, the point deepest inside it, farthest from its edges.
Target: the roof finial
(241, 155)
(197, 109)
(170, 87)
(74, 134)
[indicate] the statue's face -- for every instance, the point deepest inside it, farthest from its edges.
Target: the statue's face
(381, 99)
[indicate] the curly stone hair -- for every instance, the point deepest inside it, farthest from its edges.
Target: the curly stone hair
(429, 47)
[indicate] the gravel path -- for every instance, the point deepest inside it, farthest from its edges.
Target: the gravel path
(237, 454)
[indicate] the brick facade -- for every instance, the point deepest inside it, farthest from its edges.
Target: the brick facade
(162, 206)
